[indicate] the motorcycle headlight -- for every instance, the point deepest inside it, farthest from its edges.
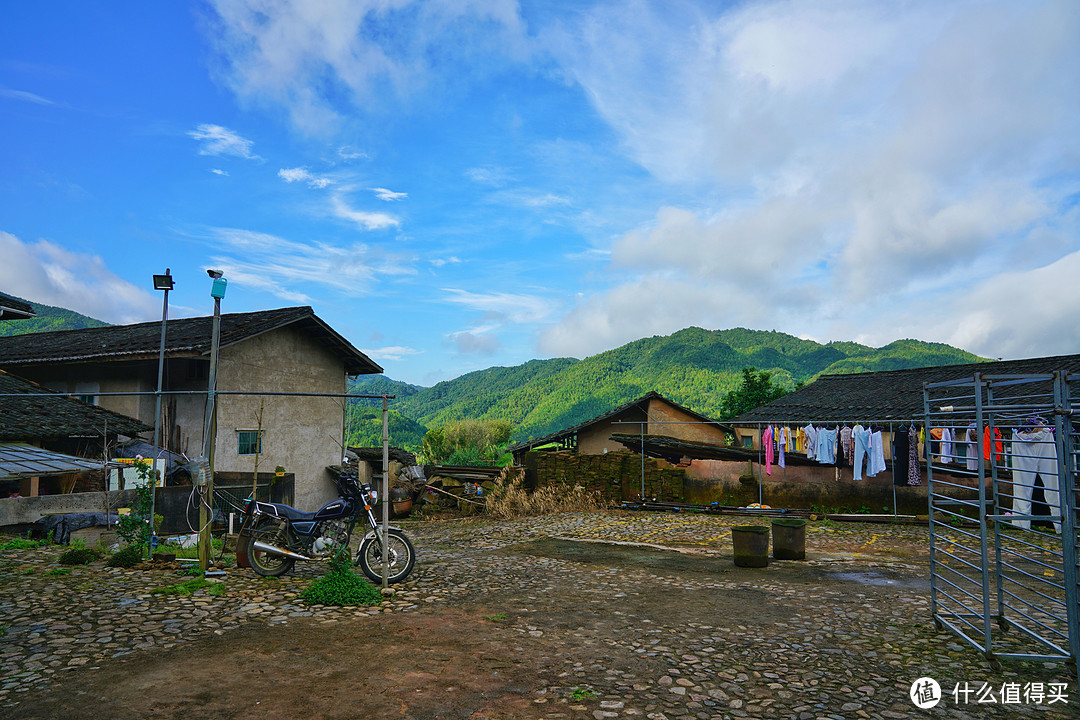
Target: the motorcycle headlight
(374, 496)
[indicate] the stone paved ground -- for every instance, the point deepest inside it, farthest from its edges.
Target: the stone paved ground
(635, 615)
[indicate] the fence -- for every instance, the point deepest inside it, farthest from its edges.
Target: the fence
(1003, 560)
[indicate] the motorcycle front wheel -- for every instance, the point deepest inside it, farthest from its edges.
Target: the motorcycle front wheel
(271, 532)
(400, 557)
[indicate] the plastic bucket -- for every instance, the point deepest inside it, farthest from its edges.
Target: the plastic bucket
(751, 543)
(789, 539)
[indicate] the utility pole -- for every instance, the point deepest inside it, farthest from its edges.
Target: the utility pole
(161, 282)
(206, 508)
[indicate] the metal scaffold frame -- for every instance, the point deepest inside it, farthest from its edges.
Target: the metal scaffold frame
(1004, 578)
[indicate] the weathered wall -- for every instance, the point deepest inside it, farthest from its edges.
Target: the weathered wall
(672, 422)
(617, 475)
(731, 482)
(302, 434)
(596, 439)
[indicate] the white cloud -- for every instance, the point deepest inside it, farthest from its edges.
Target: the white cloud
(291, 175)
(474, 343)
(218, 140)
(46, 273)
(283, 267)
(363, 219)
(440, 262)
(393, 353)
(301, 54)
(492, 176)
(515, 307)
(219, 171)
(347, 152)
(862, 158)
(388, 195)
(23, 95)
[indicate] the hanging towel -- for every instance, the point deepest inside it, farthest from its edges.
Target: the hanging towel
(766, 442)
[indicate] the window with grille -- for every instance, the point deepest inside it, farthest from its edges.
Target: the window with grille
(248, 442)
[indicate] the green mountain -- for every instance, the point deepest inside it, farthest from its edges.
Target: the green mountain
(48, 318)
(693, 367)
(378, 385)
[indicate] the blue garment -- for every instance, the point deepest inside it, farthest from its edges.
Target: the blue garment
(826, 446)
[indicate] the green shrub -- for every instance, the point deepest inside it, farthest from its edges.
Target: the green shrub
(126, 557)
(341, 585)
(79, 554)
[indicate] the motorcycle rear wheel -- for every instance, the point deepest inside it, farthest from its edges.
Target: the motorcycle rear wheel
(400, 557)
(266, 564)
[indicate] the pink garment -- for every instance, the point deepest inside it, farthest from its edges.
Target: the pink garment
(766, 441)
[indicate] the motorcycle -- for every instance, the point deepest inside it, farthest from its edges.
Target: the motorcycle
(274, 536)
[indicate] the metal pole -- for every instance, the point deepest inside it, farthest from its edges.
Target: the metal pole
(157, 415)
(642, 428)
(385, 490)
(206, 514)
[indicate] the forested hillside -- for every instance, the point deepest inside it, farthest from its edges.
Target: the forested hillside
(48, 318)
(693, 367)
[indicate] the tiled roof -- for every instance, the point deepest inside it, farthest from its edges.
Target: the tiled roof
(184, 337)
(14, 308)
(30, 412)
(895, 395)
(570, 431)
(21, 460)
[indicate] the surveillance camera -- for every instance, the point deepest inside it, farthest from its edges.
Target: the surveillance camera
(214, 273)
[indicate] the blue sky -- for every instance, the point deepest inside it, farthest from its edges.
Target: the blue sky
(455, 185)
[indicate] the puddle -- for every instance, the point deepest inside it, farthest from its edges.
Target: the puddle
(875, 578)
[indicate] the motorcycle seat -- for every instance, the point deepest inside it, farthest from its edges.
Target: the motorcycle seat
(284, 511)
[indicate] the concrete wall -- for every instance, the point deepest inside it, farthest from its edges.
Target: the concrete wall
(596, 439)
(302, 434)
(667, 420)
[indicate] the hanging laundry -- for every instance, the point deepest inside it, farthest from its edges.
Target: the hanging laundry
(972, 447)
(781, 446)
(914, 474)
(946, 445)
(826, 446)
(901, 456)
(766, 442)
(861, 439)
(997, 444)
(1034, 454)
(811, 441)
(845, 443)
(877, 455)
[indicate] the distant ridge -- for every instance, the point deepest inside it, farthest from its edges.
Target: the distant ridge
(48, 318)
(694, 367)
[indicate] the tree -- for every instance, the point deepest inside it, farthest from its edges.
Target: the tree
(756, 389)
(467, 442)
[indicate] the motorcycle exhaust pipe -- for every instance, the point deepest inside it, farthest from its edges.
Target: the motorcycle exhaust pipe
(275, 550)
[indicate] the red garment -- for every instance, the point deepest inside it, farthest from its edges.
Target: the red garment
(767, 440)
(998, 448)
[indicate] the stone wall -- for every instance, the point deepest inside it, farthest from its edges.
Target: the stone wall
(616, 475)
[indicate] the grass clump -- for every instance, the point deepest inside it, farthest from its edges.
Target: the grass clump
(20, 543)
(189, 587)
(126, 557)
(341, 585)
(509, 499)
(79, 554)
(60, 571)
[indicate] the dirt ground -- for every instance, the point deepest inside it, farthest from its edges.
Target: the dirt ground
(472, 660)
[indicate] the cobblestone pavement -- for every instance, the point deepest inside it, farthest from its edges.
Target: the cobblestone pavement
(842, 635)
